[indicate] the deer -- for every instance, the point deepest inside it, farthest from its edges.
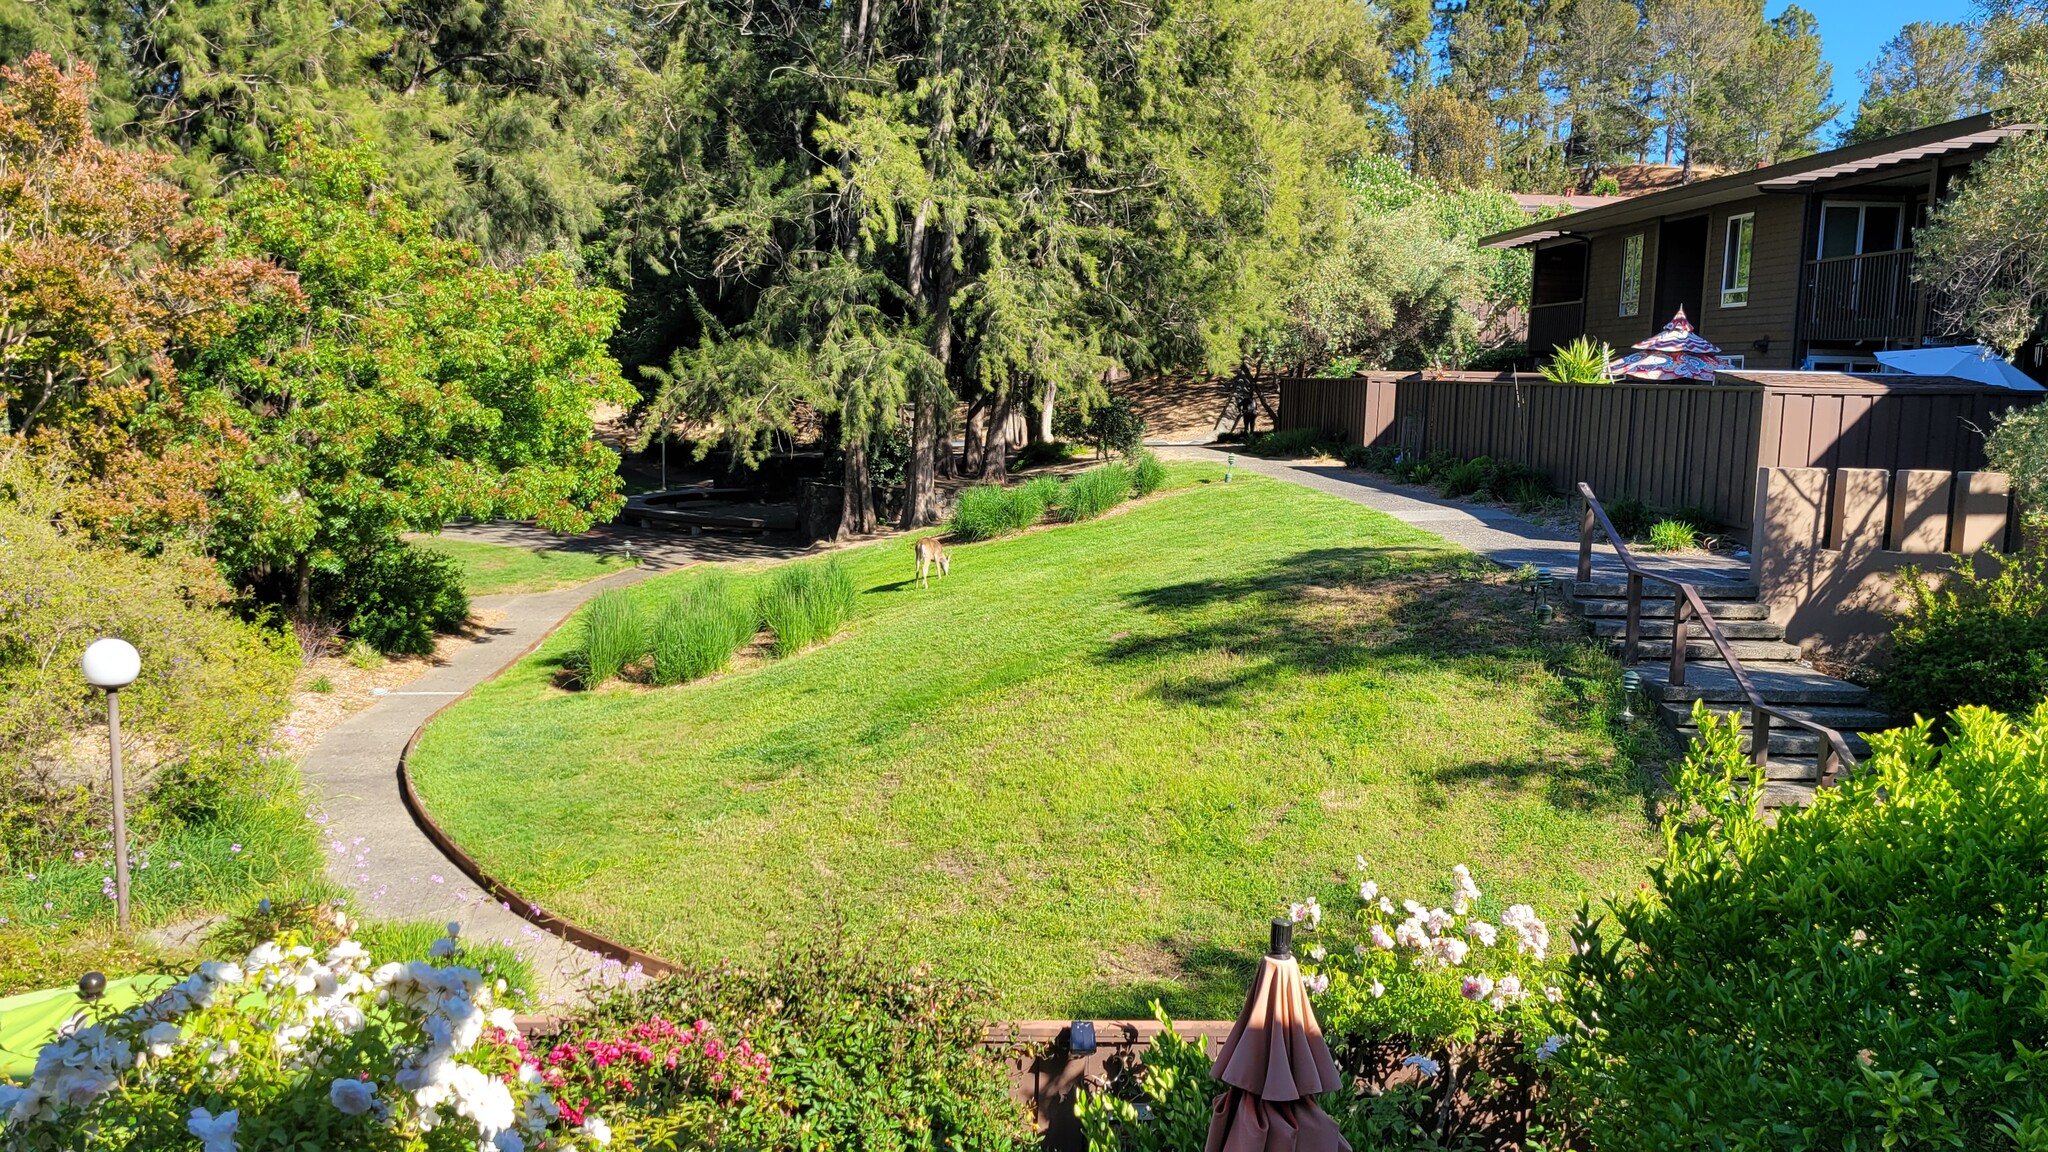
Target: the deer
(930, 552)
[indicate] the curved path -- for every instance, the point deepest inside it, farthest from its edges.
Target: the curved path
(374, 849)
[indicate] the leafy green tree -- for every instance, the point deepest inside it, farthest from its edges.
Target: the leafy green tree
(1601, 71)
(1771, 101)
(1928, 74)
(411, 387)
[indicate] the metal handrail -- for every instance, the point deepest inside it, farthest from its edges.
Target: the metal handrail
(1835, 757)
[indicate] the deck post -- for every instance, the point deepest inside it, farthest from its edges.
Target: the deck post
(1635, 618)
(1681, 607)
(1586, 524)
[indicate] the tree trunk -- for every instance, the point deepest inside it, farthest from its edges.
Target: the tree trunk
(976, 435)
(1042, 432)
(920, 472)
(303, 579)
(995, 448)
(857, 513)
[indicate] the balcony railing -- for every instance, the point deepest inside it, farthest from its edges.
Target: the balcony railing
(1868, 297)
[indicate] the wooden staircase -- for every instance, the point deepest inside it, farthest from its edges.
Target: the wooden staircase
(1735, 660)
(1772, 664)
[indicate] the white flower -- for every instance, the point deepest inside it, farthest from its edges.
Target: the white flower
(1411, 934)
(1554, 994)
(1548, 1048)
(1378, 989)
(352, 1097)
(1510, 989)
(1360, 859)
(264, 955)
(216, 1133)
(160, 1039)
(1414, 909)
(1481, 931)
(595, 1128)
(1386, 906)
(1422, 1064)
(1533, 936)
(1467, 894)
(220, 972)
(1380, 939)
(1317, 984)
(1316, 954)
(1308, 910)
(1450, 951)
(1368, 892)
(1438, 920)
(1476, 987)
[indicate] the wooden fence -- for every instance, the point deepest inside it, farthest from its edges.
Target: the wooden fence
(1673, 446)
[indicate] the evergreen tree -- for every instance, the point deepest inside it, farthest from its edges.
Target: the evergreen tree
(1601, 72)
(1927, 74)
(1771, 101)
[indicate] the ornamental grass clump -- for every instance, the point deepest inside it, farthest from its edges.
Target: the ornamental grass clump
(1673, 536)
(700, 631)
(1094, 492)
(1863, 973)
(1147, 474)
(806, 604)
(986, 511)
(613, 637)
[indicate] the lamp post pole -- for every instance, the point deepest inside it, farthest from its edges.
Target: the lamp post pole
(111, 665)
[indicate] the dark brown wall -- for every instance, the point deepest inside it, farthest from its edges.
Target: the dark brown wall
(1358, 409)
(1603, 293)
(1774, 271)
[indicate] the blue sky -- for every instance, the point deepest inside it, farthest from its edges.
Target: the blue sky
(1851, 32)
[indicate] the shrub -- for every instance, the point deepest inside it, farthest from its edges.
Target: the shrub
(1112, 426)
(986, 511)
(198, 720)
(1147, 474)
(1865, 973)
(1467, 478)
(1527, 496)
(1630, 517)
(1382, 458)
(1042, 492)
(363, 656)
(701, 630)
(397, 600)
(1094, 492)
(2018, 447)
(1295, 442)
(1971, 640)
(1673, 536)
(321, 684)
(1039, 453)
(1583, 361)
(613, 637)
(868, 1053)
(806, 604)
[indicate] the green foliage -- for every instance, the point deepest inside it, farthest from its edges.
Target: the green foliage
(321, 684)
(1147, 474)
(398, 599)
(1970, 639)
(198, 719)
(700, 630)
(1630, 517)
(1928, 74)
(986, 511)
(1174, 1086)
(1094, 492)
(1112, 426)
(1294, 443)
(1672, 536)
(869, 1053)
(2018, 447)
(363, 655)
(1865, 973)
(1466, 478)
(613, 637)
(1379, 458)
(1039, 453)
(1583, 361)
(806, 604)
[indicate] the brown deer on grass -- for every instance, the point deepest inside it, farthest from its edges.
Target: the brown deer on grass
(930, 552)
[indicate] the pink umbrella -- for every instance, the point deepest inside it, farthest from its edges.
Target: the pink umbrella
(1675, 353)
(1275, 1062)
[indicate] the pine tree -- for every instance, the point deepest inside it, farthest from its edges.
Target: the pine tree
(1771, 101)
(1927, 74)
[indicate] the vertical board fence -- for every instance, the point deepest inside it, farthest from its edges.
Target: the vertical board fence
(1673, 446)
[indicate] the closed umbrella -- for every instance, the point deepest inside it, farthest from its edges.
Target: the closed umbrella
(1275, 1063)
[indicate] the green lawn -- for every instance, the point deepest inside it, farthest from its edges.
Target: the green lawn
(1086, 767)
(492, 568)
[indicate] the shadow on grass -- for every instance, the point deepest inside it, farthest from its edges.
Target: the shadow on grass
(1209, 984)
(1388, 612)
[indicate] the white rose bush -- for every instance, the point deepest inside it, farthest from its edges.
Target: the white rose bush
(301, 1049)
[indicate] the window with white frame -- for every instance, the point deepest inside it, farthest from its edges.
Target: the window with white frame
(1735, 260)
(1632, 275)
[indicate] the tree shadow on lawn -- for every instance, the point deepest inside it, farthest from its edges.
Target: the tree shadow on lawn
(1196, 980)
(1396, 612)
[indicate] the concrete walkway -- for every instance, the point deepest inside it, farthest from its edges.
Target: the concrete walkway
(373, 847)
(1494, 533)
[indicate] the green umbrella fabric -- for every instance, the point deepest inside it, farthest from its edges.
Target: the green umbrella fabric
(30, 1020)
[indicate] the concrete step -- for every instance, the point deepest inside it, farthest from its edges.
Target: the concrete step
(1723, 610)
(1618, 589)
(1787, 740)
(1661, 629)
(1779, 684)
(1748, 651)
(1788, 794)
(1842, 718)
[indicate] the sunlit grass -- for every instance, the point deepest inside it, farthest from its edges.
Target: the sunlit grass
(1087, 767)
(494, 568)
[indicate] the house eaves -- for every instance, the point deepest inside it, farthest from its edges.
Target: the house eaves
(1786, 176)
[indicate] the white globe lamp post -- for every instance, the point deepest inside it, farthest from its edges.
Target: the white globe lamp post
(111, 665)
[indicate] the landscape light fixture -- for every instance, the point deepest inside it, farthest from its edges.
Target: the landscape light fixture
(1631, 683)
(1229, 462)
(1081, 1037)
(91, 987)
(110, 665)
(1544, 582)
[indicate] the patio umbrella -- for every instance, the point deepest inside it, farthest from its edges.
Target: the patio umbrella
(1964, 362)
(1675, 353)
(1275, 1063)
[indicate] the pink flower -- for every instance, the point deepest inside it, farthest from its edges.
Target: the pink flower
(1476, 987)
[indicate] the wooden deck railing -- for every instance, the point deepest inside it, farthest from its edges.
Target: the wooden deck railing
(1870, 296)
(1835, 757)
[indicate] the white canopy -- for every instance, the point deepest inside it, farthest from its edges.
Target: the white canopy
(1964, 362)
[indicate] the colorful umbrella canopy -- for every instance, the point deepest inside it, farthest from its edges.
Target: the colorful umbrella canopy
(1674, 353)
(1275, 1062)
